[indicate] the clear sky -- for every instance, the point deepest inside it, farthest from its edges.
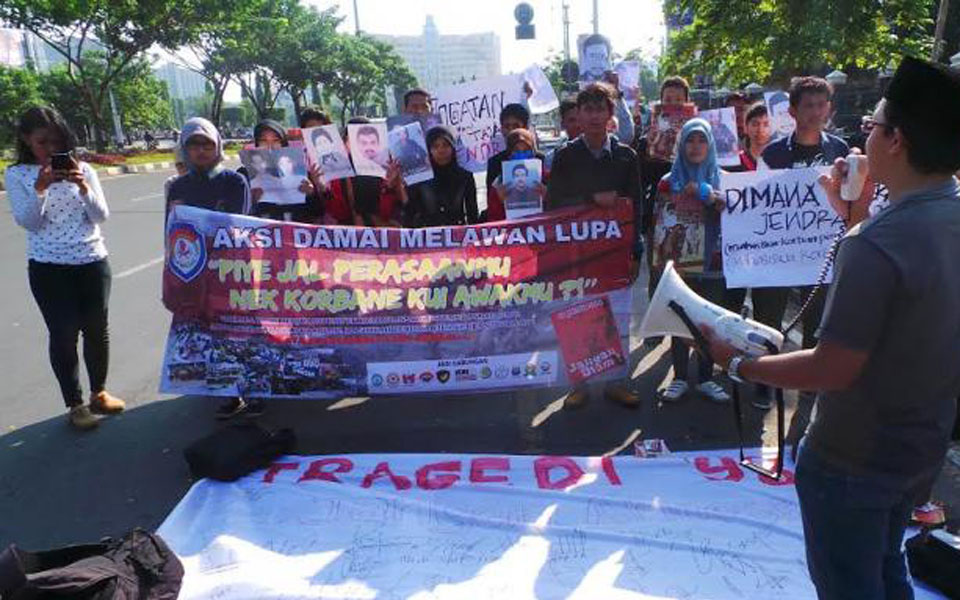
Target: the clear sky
(628, 23)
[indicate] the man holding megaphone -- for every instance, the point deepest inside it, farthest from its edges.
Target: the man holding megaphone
(887, 364)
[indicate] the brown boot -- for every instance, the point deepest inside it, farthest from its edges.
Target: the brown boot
(105, 404)
(81, 418)
(621, 395)
(577, 398)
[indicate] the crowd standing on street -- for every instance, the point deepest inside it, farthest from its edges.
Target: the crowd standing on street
(879, 352)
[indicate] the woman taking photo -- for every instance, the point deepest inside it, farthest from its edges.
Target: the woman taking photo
(58, 200)
(450, 198)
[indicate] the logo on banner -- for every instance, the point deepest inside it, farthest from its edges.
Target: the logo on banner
(188, 251)
(443, 375)
(393, 379)
(376, 380)
(426, 377)
(485, 372)
(409, 378)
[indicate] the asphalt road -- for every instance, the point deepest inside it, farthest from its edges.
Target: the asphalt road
(59, 486)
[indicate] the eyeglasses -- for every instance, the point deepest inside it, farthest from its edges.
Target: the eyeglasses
(869, 124)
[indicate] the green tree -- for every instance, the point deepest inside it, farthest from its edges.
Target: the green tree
(302, 52)
(141, 98)
(19, 90)
(223, 49)
(363, 68)
(122, 29)
(738, 41)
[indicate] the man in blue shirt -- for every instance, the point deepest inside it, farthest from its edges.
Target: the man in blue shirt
(886, 362)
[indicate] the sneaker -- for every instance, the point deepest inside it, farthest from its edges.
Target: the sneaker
(762, 398)
(714, 391)
(81, 418)
(577, 398)
(105, 404)
(675, 391)
(621, 395)
(230, 408)
(255, 407)
(930, 514)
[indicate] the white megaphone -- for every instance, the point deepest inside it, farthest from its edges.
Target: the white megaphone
(674, 297)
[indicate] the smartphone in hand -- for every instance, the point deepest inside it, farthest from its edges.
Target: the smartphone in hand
(61, 163)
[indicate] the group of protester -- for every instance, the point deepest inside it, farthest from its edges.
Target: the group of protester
(884, 358)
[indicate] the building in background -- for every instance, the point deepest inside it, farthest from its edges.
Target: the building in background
(439, 60)
(22, 48)
(182, 84)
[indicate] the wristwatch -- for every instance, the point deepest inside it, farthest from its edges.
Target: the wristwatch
(733, 369)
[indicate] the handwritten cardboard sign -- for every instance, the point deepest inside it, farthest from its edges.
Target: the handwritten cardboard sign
(472, 109)
(777, 227)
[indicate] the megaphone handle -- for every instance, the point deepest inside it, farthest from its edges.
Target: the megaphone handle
(738, 414)
(698, 338)
(704, 348)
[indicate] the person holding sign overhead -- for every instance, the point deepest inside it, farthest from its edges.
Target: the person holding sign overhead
(885, 365)
(595, 168)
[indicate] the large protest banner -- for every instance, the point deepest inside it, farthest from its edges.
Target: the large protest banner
(694, 525)
(472, 109)
(777, 227)
(282, 309)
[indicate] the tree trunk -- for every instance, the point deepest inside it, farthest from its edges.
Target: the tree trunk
(296, 96)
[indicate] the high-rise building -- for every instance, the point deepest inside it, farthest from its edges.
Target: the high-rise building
(437, 60)
(182, 83)
(22, 48)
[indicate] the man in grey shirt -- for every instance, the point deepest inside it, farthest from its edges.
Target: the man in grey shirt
(887, 364)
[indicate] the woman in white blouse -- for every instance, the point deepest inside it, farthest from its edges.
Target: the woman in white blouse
(61, 209)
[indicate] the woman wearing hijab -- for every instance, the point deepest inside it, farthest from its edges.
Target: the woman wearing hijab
(450, 198)
(207, 184)
(688, 197)
(521, 144)
(270, 135)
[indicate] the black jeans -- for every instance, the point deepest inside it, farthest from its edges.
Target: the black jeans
(74, 298)
(712, 289)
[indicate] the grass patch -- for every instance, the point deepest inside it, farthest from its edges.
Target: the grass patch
(150, 157)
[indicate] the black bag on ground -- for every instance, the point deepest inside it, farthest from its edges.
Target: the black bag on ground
(138, 566)
(934, 558)
(234, 451)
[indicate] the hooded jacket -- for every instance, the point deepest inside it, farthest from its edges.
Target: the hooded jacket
(216, 189)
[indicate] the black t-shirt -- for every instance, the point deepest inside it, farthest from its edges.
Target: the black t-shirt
(808, 156)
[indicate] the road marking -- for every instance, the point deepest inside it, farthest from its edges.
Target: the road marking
(138, 268)
(147, 197)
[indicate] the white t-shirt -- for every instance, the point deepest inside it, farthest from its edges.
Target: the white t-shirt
(62, 225)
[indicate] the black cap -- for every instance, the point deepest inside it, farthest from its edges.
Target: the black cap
(922, 88)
